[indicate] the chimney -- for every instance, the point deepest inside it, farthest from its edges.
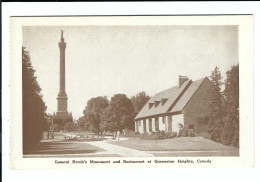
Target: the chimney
(182, 79)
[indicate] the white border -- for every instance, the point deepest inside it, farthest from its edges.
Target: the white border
(245, 24)
(14, 9)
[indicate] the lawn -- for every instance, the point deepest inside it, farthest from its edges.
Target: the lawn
(174, 144)
(61, 147)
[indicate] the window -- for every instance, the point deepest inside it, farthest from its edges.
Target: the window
(191, 126)
(156, 103)
(151, 105)
(163, 100)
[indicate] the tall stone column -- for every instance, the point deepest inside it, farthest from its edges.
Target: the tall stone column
(62, 96)
(62, 116)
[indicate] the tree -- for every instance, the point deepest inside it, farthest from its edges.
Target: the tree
(34, 116)
(216, 112)
(83, 123)
(70, 126)
(118, 115)
(230, 135)
(93, 111)
(138, 101)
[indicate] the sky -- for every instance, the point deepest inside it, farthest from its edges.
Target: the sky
(107, 60)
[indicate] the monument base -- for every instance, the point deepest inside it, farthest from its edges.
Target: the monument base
(61, 118)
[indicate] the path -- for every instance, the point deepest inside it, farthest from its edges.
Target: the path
(122, 151)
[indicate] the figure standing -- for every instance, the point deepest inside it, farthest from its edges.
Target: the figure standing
(118, 133)
(114, 135)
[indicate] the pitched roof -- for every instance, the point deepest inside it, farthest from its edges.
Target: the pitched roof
(177, 98)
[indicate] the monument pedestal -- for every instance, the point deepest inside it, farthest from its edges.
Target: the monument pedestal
(61, 118)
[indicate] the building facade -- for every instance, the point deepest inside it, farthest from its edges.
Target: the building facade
(184, 104)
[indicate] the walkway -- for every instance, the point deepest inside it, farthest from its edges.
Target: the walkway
(118, 150)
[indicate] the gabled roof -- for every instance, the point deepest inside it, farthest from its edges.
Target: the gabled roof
(177, 98)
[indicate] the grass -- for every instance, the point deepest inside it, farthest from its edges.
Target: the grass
(59, 147)
(174, 144)
(198, 154)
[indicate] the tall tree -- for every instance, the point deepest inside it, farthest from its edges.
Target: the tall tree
(139, 100)
(216, 112)
(34, 120)
(230, 135)
(93, 111)
(83, 123)
(119, 114)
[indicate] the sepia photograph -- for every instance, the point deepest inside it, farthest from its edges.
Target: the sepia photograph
(135, 91)
(130, 91)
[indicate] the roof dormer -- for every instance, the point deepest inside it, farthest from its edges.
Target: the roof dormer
(156, 103)
(151, 105)
(163, 101)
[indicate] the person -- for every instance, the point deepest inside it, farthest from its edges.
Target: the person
(118, 133)
(114, 135)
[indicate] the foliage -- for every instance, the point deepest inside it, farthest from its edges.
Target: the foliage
(223, 119)
(216, 112)
(34, 116)
(118, 115)
(83, 123)
(230, 133)
(92, 113)
(70, 126)
(186, 133)
(157, 135)
(138, 101)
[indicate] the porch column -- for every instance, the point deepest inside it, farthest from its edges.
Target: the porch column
(166, 123)
(153, 124)
(136, 126)
(160, 123)
(147, 125)
(141, 126)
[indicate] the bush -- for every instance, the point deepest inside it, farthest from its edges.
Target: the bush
(137, 133)
(191, 133)
(157, 135)
(171, 135)
(180, 134)
(186, 133)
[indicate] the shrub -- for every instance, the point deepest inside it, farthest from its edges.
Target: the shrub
(180, 133)
(191, 133)
(186, 133)
(157, 135)
(171, 135)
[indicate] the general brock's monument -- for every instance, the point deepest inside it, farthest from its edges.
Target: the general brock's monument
(61, 117)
